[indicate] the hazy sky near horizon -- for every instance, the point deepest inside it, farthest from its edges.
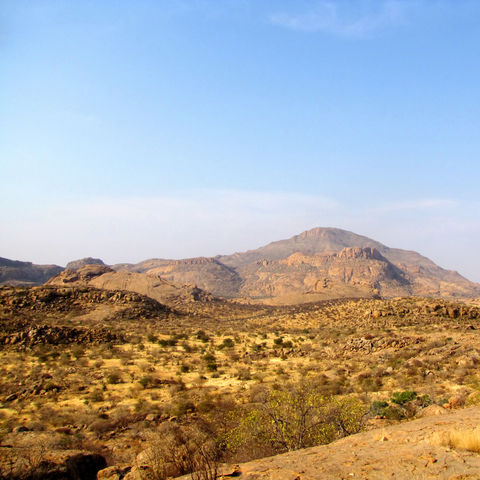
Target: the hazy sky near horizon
(179, 128)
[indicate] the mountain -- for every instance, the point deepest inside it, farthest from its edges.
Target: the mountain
(329, 262)
(352, 272)
(322, 240)
(153, 286)
(14, 272)
(206, 273)
(322, 263)
(77, 264)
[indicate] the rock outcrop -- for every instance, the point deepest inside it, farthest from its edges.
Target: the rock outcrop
(77, 264)
(54, 335)
(53, 301)
(206, 273)
(54, 465)
(150, 285)
(412, 450)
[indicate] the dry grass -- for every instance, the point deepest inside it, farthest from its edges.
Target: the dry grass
(459, 439)
(179, 368)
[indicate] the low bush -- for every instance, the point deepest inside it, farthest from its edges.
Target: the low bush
(400, 398)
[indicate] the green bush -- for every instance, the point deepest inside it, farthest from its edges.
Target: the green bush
(424, 400)
(296, 416)
(378, 408)
(400, 398)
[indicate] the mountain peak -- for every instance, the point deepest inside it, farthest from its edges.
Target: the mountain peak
(77, 264)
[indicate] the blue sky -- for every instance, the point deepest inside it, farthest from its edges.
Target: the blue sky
(176, 128)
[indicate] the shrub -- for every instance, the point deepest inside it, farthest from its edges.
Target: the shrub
(400, 398)
(378, 408)
(152, 338)
(96, 396)
(209, 357)
(243, 373)
(178, 450)
(424, 400)
(227, 343)
(212, 367)
(201, 335)
(146, 381)
(297, 416)
(113, 378)
(394, 413)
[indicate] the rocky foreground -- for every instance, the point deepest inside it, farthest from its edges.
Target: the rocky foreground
(412, 450)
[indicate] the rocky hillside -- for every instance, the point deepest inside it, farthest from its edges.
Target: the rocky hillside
(13, 272)
(71, 301)
(151, 285)
(77, 264)
(318, 264)
(354, 272)
(327, 262)
(322, 240)
(206, 273)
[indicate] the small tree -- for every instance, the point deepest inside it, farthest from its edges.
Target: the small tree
(297, 416)
(174, 450)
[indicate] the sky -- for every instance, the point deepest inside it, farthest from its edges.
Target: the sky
(181, 128)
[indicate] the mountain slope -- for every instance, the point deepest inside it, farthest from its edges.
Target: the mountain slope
(322, 240)
(14, 272)
(206, 273)
(352, 272)
(264, 274)
(321, 263)
(105, 278)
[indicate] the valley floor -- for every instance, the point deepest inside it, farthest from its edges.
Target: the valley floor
(108, 375)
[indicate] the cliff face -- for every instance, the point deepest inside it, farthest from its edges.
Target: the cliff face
(350, 272)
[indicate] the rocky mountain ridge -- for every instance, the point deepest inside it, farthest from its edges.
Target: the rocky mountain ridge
(320, 263)
(14, 272)
(150, 285)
